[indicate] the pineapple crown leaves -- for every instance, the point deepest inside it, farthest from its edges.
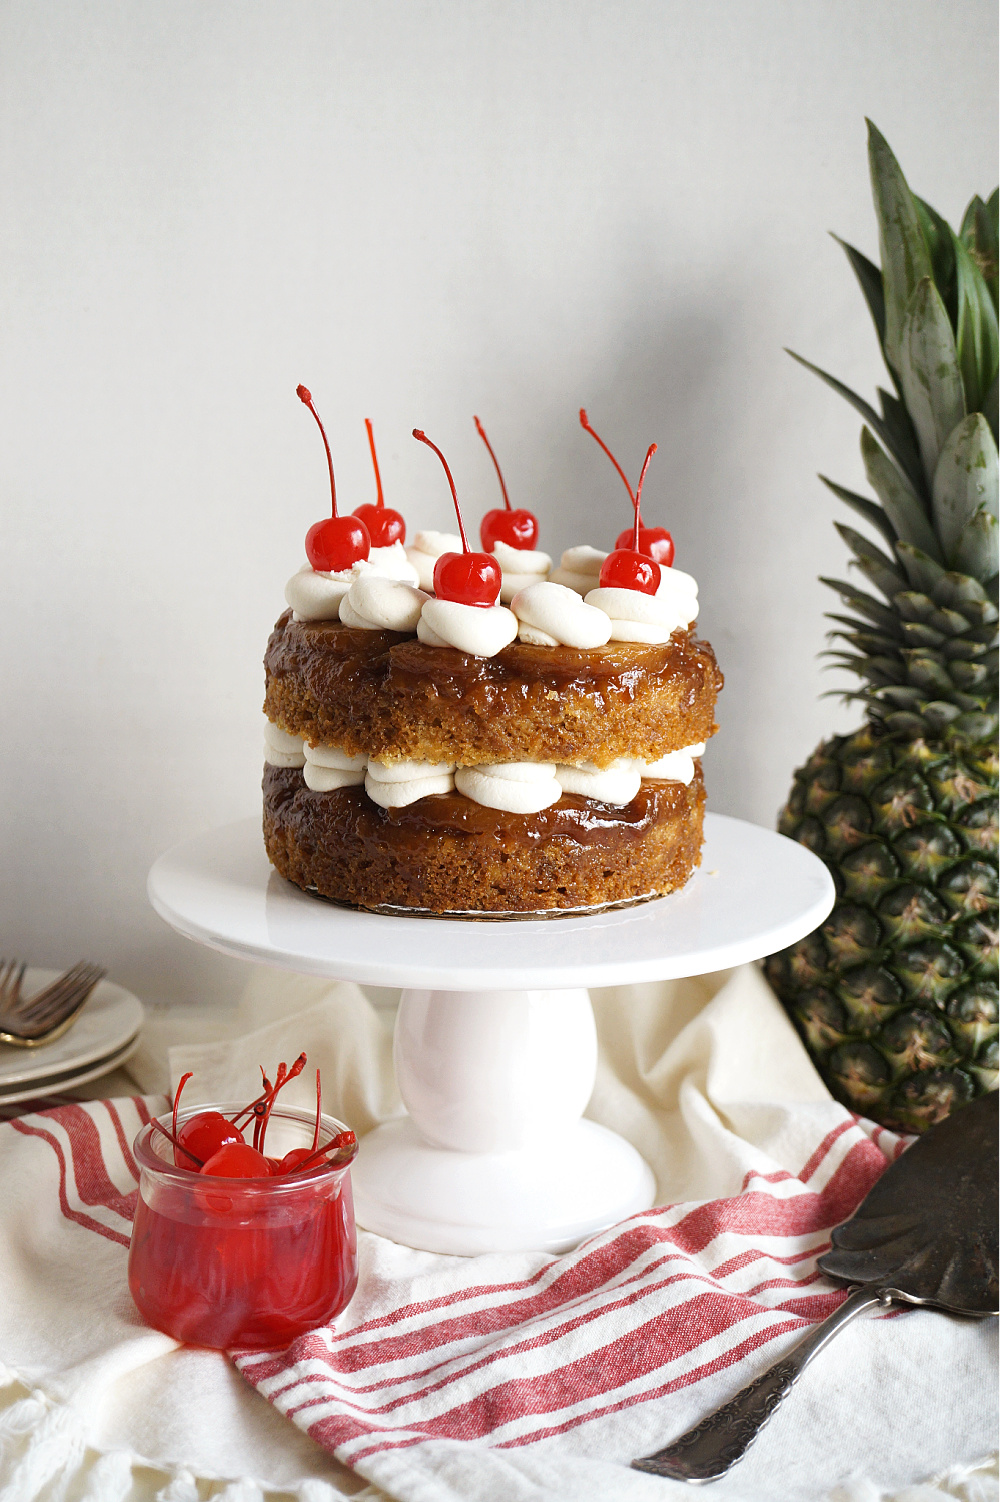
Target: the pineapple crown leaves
(930, 456)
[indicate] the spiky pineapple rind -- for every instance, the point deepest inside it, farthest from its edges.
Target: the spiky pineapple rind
(895, 988)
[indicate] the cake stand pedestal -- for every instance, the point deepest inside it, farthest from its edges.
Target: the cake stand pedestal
(495, 1049)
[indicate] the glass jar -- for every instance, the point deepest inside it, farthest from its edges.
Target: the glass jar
(249, 1263)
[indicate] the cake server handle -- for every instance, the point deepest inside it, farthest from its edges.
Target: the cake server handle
(707, 1451)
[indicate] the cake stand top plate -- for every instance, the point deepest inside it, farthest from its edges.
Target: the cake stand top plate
(754, 893)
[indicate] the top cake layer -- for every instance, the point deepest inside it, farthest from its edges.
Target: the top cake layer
(397, 699)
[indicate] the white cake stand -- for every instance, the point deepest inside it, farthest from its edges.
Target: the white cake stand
(495, 1048)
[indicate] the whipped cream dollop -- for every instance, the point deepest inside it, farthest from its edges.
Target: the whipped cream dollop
(393, 563)
(425, 551)
(376, 602)
(636, 616)
(682, 589)
(280, 748)
(517, 787)
(617, 783)
(676, 766)
(552, 615)
(579, 569)
(395, 784)
(316, 597)
(330, 767)
(519, 567)
(481, 630)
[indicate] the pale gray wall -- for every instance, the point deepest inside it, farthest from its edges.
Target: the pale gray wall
(421, 210)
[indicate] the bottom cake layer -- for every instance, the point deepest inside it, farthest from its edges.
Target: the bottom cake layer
(447, 854)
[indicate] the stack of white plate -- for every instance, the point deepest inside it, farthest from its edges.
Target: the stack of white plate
(105, 1034)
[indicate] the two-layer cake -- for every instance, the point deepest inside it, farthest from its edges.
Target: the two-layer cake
(434, 755)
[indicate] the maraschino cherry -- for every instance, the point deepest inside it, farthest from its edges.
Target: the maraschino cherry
(385, 526)
(211, 1143)
(628, 567)
(655, 542)
(203, 1135)
(467, 578)
(340, 541)
(514, 526)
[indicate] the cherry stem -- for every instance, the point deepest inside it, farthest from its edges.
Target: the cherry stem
(305, 395)
(177, 1100)
(259, 1106)
(317, 1157)
(319, 1110)
(281, 1079)
(585, 424)
(638, 492)
(503, 484)
(454, 493)
(378, 477)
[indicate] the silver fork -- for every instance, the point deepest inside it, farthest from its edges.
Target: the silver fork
(30, 1021)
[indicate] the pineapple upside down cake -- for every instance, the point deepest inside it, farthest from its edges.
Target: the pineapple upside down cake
(470, 733)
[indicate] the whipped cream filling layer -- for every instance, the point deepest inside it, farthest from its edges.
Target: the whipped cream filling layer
(519, 567)
(481, 630)
(676, 766)
(328, 767)
(517, 787)
(396, 784)
(333, 756)
(579, 568)
(425, 551)
(323, 779)
(552, 615)
(616, 784)
(280, 748)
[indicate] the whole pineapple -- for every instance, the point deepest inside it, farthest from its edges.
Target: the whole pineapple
(896, 994)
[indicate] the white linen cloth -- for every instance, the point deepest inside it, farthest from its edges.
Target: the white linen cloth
(705, 1077)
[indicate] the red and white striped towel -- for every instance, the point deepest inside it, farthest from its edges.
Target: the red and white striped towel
(511, 1376)
(664, 1300)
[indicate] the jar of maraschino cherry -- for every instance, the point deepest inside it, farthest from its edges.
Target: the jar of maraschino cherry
(235, 1246)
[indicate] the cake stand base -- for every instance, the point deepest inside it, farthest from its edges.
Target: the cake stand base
(545, 1198)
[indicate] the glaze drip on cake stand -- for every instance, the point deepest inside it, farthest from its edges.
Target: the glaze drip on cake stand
(495, 1059)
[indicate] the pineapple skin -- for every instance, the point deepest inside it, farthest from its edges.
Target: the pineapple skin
(895, 996)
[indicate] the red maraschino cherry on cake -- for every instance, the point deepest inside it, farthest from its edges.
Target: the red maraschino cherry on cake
(516, 527)
(645, 601)
(655, 542)
(335, 544)
(465, 613)
(335, 548)
(386, 528)
(510, 534)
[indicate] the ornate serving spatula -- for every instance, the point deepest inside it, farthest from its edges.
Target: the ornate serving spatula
(926, 1233)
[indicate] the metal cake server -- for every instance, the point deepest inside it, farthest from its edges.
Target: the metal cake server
(925, 1233)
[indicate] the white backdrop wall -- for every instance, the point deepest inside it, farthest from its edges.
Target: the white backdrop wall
(422, 209)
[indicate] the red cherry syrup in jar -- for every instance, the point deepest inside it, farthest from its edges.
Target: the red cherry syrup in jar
(242, 1262)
